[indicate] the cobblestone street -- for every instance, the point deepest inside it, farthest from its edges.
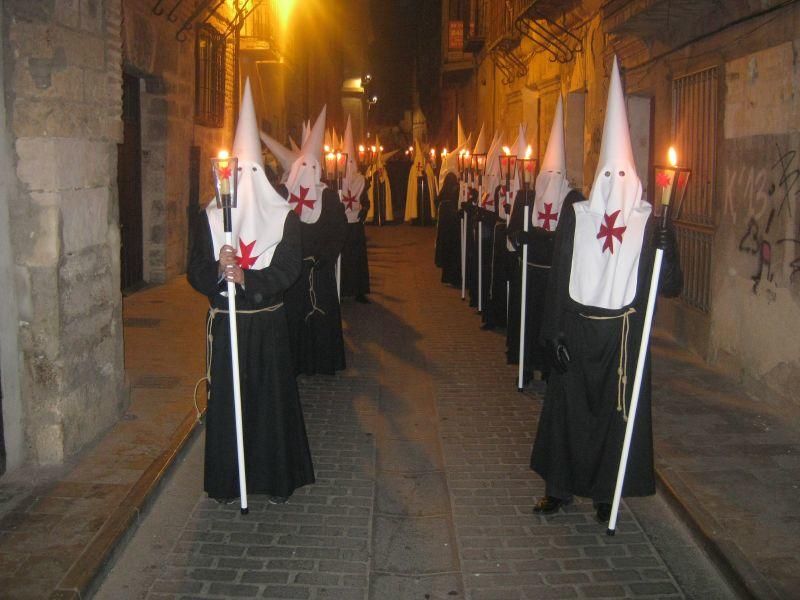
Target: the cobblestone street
(421, 449)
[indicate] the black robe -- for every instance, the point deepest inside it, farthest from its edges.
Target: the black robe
(312, 303)
(499, 269)
(579, 440)
(277, 456)
(355, 265)
(473, 216)
(448, 232)
(540, 257)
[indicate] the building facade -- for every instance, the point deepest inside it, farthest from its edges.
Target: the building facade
(721, 83)
(110, 112)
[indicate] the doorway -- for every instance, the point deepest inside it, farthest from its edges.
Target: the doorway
(129, 184)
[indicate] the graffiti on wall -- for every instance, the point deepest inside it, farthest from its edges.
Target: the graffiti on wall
(771, 233)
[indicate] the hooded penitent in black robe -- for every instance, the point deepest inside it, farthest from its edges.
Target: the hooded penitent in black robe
(579, 440)
(355, 265)
(448, 232)
(540, 257)
(312, 303)
(277, 457)
(495, 294)
(472, 213)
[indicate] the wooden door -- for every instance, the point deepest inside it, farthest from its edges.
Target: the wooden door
(129, 183)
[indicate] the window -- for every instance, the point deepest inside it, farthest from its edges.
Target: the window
(209, 97)
(694, 129)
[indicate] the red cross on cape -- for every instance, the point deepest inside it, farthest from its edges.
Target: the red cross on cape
(301, 201)
(609, 232)
(245, 260)
(349, 199)
(547, 216)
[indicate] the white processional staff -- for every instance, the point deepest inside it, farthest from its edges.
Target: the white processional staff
(672, 182)
(479, 166)
(335, 164)
(463, 161)
(225, 170)
(528, 173)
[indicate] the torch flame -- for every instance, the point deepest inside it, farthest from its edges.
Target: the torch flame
(361, 148)
(507, 150)
(223, 154)
(528, 152)
(672, 156)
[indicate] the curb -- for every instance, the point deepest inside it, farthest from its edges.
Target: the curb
(725, 554)
(79, 582)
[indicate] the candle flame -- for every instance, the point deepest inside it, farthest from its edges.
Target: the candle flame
(361, 148)
(528, 152)
(326, 148)
(672, 156)
(507, 150)
(381, 148)
(444, 151)
(411, 148)
(374, 148)
(223, 154)
(433, 151)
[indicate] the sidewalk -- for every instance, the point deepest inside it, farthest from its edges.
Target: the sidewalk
(730, 460)
(56, 535)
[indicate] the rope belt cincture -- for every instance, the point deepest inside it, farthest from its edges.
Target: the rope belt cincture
(622, 368)
(312, 294)
(212, 313)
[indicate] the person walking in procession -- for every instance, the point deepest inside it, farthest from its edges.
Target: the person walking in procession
(315, 322)
(355, 198)
(596, 299)
(263, 266)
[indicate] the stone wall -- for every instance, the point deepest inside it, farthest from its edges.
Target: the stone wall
(753, 325)
(62, 93)
(166, 66)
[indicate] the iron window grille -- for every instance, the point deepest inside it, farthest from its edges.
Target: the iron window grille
(209, 78)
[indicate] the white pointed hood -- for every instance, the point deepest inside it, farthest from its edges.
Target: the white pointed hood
(480, 143)
(293, 145)
(282, 154)
(491, 178)
(551, 182)
(353, 182)
(304, 182)
(260, 213)
(461, 139)
(306, 131)
(609, 226)
(449, 164)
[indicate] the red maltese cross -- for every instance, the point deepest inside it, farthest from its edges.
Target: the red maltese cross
(548, 216)
(488, 199)
(349, 199)
(608, 231)
(245, 261)
(301, 201)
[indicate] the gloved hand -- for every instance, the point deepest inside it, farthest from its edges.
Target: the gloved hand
(507, 207)
(558, 354)
(664, 239)
(320, 263)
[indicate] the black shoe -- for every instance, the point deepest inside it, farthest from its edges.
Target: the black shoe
(547, 505)
(603, 513)
(363, 299)
(278, 499)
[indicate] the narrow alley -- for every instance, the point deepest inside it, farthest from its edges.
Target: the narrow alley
(421, 449)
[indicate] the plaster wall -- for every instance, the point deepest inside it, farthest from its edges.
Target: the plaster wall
(753, 325)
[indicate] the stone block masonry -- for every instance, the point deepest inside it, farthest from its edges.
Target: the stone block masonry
(62, 66)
